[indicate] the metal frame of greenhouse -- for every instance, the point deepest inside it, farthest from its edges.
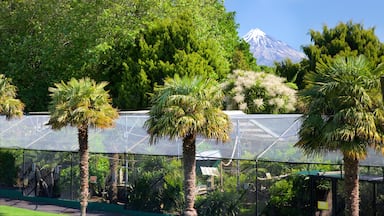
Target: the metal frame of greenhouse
(260, 137)
(254, 137)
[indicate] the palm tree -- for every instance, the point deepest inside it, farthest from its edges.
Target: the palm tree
(345, 113)
(81, 103)
(9, 105)
(185, 108)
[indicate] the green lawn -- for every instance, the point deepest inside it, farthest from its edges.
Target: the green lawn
(13, 211)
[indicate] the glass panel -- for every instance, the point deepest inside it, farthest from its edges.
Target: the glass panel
(262, 137)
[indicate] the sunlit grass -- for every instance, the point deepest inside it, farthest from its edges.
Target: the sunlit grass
(13, 211)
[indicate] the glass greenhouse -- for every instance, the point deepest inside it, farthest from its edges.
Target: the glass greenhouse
(260, 137)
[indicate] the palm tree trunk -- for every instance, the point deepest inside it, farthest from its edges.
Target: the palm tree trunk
(189, 163)
(113, 189)
(84, 168)
(351, 180)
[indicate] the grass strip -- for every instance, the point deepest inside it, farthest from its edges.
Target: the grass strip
(14, 211)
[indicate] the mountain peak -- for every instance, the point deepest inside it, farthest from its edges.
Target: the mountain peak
(254, 33)
(267, 50)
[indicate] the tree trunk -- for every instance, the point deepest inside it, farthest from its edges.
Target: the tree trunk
(351, 181)
(84, 168)
(189, 165)
(113, 187)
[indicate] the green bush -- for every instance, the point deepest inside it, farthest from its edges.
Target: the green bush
(158, 186)
(99, 167)
(290, 196)
(219, 203)
(173, 193)
(8, 170)
(70, 173)
(281, 193)
(146, 192)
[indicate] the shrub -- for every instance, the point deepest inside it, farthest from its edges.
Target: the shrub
(8, 170)
(219, 203)
(281, 193)
(259, 92)
(158, 186)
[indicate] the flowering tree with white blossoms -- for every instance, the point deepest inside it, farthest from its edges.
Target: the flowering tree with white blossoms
(259, 92)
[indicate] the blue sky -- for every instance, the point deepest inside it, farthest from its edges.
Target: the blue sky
(291, 20)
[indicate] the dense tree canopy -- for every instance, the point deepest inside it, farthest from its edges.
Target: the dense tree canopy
(293, 72)
(243, 59)
(42, 42)
(166, 48)
(345, 39)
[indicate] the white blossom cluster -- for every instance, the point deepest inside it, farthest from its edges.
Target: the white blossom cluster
(259, 92)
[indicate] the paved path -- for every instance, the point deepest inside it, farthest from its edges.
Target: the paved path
(50, 208)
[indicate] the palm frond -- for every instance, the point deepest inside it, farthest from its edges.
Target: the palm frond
(80, 102)
(184, 106)
(343, 110)
(9, 105)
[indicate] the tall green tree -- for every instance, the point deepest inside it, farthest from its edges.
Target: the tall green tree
(242, 58)
(44, 42)
(82, 104)
(293, 72)
(166, 48)
(345, 113)
(41, 43)
(10, 106)
(185, 108)
(345, 39)
(210, 19)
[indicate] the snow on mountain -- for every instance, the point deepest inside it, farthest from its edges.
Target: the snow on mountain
(267, 50)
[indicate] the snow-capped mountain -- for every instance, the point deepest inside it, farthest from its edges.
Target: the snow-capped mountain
(267, 50)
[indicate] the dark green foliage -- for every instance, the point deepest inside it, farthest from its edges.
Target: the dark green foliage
(166, 48)
(274, 168)
(157, 187)
(281, 193)
(99, 167)
(45, 42)
(366, 197)
(289, 196)
(8, 170)
(70, 180)
(293, 72)
(146, 192)
(243, 59)
(219, 203)
(42, 43)
(70, 174)
(173, 198)
(345, 39)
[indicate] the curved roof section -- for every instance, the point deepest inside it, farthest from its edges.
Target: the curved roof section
(266, 137)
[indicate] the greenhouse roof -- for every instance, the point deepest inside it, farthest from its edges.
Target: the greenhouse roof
(265, 137)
